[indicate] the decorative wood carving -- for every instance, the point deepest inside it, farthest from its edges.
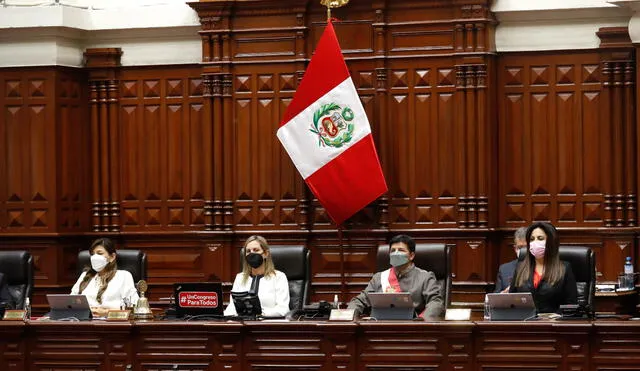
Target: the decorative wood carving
(618, 104)
(105, 159)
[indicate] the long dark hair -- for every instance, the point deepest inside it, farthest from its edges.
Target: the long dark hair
(553, 267)
(109, 270)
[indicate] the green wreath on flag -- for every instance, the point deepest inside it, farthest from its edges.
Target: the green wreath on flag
(345, 131)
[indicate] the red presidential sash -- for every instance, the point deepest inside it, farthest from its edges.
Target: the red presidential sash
(393, 280)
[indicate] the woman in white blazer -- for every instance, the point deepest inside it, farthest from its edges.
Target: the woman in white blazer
(103, 284)
(259, 274)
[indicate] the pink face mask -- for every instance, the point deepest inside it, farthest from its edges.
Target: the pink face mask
(537, 248)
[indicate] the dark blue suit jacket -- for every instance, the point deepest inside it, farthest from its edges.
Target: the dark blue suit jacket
(505, 275)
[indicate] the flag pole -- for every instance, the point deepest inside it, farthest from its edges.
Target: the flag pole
(337, 4)
(333, 4)
(343, 293)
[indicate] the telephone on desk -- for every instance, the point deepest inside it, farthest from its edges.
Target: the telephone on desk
(320, 311)
(574, 311)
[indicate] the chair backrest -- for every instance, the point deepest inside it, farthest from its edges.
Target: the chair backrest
(18, 269)
(583, 264)
(134, 261)
(434, 257)
(295, 262)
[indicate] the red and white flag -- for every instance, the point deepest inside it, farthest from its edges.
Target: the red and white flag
(326, 133)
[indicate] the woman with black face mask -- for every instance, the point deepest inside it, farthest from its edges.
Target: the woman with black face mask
(260, 277)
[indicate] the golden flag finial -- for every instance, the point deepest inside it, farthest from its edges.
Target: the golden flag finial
(333, 4)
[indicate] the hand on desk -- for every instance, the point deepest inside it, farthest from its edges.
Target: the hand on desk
(505, 290)
(99, 312)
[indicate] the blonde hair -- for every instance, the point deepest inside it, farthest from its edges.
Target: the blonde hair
(269, 268)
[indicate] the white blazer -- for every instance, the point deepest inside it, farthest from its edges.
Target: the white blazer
(120, 287)
(273, 293)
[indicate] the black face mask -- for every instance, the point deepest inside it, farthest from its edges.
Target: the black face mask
(254, 260)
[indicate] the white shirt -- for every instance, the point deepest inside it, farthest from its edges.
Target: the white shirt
(120, 287)
(273, 292)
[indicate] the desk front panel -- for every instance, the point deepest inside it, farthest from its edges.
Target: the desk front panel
(518, 346)
(293, 346)
(415, 346)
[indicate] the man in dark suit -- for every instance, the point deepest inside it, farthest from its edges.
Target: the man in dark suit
(506, 270)
(5, 298)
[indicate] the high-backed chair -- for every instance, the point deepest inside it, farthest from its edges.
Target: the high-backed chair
(18, 269)
(295, 262)
(134, 261)
(583, 265)
(434, 257)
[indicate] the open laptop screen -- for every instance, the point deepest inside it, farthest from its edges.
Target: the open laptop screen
(64, 306)
(515, 306)
(391, 305)
(198, 299)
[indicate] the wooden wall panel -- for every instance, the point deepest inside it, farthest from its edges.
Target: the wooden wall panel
(548, 136)
(73, 152)
(28, 129)
(162, 149)
(267, 190)
(422, 169)
(43, 145)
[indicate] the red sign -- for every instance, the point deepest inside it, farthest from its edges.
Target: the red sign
(196, 299)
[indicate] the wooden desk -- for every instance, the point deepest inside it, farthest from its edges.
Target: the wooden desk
(261, 346)
(616, 302)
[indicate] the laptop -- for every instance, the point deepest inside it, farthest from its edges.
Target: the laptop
(202, 299)
(64, 306)
(515, 306)
(391, 305)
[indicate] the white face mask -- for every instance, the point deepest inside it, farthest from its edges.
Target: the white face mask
(98, 262)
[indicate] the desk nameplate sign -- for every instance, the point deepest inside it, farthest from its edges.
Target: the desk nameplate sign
(342, 315)
(460, 314)
(14, 315)
(118, 315)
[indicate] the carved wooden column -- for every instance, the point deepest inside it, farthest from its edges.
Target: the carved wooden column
(462, 168)
(103, 66)
(217, 164)
(619, 132)
(474, 39)
(379, 29)
(304, 195)
(209, 204)
(228, 141)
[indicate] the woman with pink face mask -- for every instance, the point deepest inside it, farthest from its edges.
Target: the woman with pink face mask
(542, 273)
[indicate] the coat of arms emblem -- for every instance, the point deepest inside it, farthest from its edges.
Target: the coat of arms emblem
(333, 125)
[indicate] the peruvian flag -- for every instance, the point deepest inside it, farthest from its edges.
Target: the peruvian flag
(326, 133)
